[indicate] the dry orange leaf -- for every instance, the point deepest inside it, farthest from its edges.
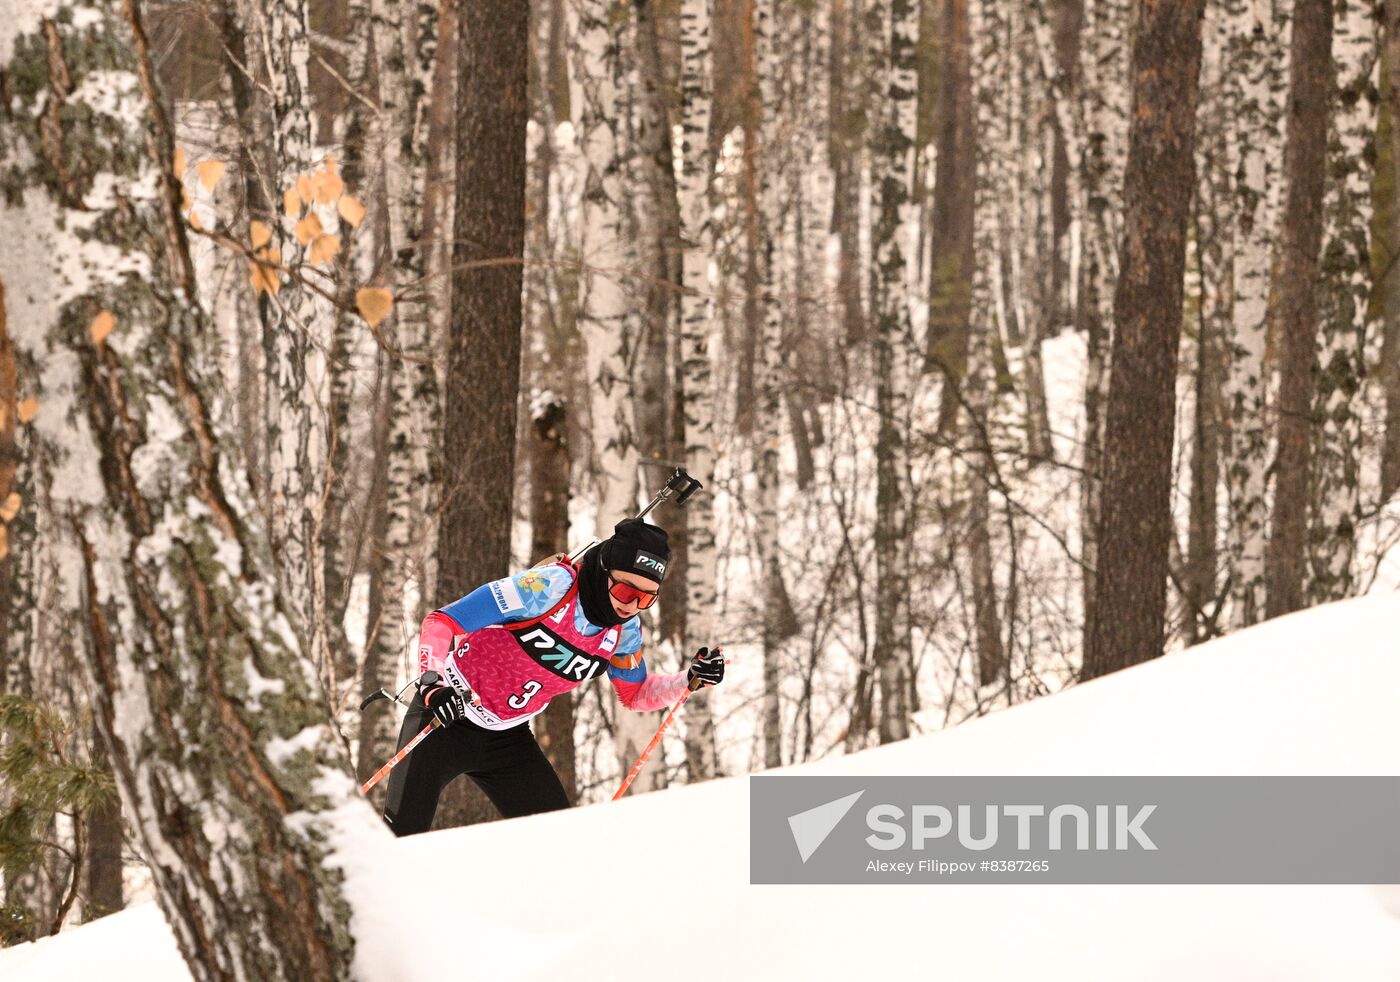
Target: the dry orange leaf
(11, 507)
(260, 234)
(308, 228)
(374, 304)
(324, 248)
(180, 162)
(266, 278)
(331, 167)
(328, 187)
(4, 542)
(28, 409)
(185, 202)
(210, 173)
(291, 203)
(101, 326)
(305, 190)
(351, 210)
(195, 223)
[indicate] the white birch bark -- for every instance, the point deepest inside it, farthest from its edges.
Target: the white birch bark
(221, 741)
(892, 246)
(295, 325)
(1342, 302)
(697, 332)
(1255, 58)
(405, 38)
(599, 28)
(996, 156)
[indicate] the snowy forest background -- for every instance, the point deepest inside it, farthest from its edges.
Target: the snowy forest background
(1015, 341)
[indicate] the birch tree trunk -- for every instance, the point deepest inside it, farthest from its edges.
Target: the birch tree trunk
(293, 333)
(1343, 299)
(1136, 523)
(220, 738)
(405, 41)
(984, 184)
(600, 29)
(892, 246)
(1255, 56)
(1304, 162)
(1390, 348)
(697, 330)
(1214, 224)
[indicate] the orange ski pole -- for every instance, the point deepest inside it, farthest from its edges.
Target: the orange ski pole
(665, 725)
(383, 772)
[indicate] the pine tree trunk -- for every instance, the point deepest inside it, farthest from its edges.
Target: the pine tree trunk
(221, 740)
(1304, 164)
(483, 356)
(102, 866)
(1104, 71)
(1136, 525)
(549, 535)
(1343, 300)
(953, 207)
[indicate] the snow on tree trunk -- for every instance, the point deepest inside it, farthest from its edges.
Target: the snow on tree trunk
(225, 758)
(698, 384)
(892, 246)
(1255, 56)
(1342, 304)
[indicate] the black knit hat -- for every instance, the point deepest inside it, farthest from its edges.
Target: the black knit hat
(636, 547)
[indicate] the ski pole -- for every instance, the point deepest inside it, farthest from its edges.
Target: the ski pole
(665, 725)
(427, 680)
(383, 772)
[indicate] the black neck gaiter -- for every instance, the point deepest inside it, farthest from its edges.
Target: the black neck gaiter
(593, 590)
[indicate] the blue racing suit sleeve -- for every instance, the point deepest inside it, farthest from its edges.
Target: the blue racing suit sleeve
(476, 610)
(514, 598)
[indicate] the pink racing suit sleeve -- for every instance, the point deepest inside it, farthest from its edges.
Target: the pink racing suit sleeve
(642, 692)
(435, 641)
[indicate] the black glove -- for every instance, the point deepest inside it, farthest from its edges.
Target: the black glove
(446, 704)
(708, 668)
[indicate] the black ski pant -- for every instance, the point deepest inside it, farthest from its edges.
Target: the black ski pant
(508, 765)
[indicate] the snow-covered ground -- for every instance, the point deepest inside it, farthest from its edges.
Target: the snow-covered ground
(656, 887)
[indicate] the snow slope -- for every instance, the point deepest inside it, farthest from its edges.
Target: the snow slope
(618, 891)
